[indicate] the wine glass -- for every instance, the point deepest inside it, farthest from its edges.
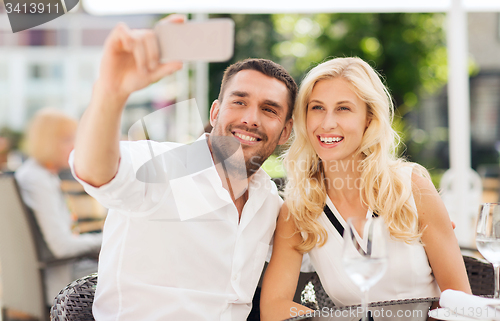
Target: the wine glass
(488, 237)
(364, 255)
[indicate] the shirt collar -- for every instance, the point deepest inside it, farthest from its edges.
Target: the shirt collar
(200, 162)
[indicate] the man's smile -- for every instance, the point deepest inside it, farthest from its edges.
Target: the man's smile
(245, 137)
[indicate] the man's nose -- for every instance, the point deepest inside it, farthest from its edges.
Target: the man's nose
(251, 116)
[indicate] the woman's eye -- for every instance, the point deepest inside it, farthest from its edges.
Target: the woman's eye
(344, 108)
(316, 107)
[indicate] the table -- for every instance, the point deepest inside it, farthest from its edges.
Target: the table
(409, 309)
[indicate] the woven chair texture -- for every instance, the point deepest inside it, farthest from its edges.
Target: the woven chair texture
(480, 273)
(74, 302)
(422, 304)
(314, 296)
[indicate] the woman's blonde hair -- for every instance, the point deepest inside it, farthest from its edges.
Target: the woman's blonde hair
(44, 132)
(383, 187)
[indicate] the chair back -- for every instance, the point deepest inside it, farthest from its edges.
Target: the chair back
(314, 296)
(44, 254)
(74, 302)
(20, 275)
(481, 276)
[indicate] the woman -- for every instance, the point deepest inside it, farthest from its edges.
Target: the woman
(49, 141)
(343, 156)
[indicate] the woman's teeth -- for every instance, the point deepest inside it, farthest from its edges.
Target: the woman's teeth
(330, 140)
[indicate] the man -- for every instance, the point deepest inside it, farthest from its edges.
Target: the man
(189, 228)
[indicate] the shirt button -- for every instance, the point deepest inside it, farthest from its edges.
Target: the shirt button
(236, 276)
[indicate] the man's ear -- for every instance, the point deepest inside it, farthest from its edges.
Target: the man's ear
(214, 112)
(285, 133)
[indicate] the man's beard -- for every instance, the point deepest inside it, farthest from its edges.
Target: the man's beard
(228, 151)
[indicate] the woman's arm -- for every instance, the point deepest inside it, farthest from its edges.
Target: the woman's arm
(282, 274)
(438, 237)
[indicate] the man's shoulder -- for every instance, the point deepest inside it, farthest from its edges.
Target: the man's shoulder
(140, 146)
(146, 154)
(148, 146)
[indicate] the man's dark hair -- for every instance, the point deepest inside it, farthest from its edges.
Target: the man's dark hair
(268, 68)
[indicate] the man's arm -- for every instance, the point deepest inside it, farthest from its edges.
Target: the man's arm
(130, 62)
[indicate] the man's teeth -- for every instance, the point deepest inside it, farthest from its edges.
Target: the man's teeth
(245, 137)
(330, 140)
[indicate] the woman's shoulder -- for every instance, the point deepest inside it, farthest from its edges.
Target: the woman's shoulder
(410, 169)
(415, 177)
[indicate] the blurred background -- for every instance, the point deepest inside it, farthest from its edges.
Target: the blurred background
(55, 65)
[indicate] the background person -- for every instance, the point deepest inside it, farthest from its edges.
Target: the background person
(343, 156)
(50, 139)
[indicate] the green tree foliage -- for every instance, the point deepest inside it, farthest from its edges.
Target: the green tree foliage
(408, 49)
(255, 37)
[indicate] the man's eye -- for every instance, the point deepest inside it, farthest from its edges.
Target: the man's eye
(270, 110)
(238, 102)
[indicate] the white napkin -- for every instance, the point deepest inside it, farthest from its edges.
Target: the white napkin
(457, 304)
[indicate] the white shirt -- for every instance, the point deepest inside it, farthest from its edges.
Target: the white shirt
(41, 191)
(408, 274)
(174, 250)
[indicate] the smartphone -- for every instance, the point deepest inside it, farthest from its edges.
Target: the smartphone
(211, 40)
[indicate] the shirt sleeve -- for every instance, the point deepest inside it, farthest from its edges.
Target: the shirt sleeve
(42, 194)
(125, 192)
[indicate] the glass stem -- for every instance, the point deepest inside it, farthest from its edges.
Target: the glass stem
(364, 304)
(496, 266)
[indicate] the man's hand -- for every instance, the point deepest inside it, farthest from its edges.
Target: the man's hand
(131, 60)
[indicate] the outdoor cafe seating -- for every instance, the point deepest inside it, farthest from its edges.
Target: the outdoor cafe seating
(75, 301)
(24, 256)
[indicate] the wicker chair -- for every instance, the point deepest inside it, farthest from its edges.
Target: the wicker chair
(480, 275)
(314, 296)
(74, 302)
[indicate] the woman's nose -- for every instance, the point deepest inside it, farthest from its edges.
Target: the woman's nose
(329, 122)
